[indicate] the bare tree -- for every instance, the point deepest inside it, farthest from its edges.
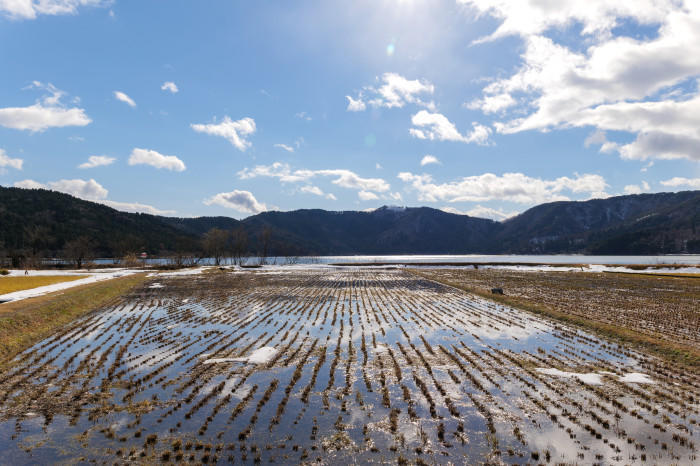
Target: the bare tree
(239, 243)
(78, 250)
(215, 243)
(264, 246)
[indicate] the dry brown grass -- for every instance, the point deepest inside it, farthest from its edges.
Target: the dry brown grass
(22, 323)
(12, 284)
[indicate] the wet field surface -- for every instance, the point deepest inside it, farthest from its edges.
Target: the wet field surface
(337, 366)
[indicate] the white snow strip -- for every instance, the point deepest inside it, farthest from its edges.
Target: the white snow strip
(636, 377)
(178, 273)
(157, 285)
(259, 356)
(218, 360)
(42, 290)
(590, 379)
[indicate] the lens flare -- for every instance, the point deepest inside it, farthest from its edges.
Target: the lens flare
(390, 49)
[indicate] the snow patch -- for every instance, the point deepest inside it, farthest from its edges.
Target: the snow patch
(259, 356)
(590, 378)
(178, 273)
(157, 285)
(97, 276)
(636, 377)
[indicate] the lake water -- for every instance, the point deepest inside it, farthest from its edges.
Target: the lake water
(686, 259)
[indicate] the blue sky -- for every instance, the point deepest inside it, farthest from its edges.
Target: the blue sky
(231, 108)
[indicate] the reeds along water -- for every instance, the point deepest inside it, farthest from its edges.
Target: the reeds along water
(363, 365)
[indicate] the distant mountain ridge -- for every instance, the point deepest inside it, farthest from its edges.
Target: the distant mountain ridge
(37, 221)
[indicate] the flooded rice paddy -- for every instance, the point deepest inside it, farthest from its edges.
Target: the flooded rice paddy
(337, 366)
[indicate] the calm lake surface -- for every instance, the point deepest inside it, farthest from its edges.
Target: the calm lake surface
(686, 259)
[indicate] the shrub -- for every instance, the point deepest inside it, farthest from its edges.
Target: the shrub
(4, 272)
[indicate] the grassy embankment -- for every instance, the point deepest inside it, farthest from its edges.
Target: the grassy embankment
(23, 323)
(684, 354)
(12, 284)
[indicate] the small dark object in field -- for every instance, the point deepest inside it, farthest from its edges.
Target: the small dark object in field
(496, 290)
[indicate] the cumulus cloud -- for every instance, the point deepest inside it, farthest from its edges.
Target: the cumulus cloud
(93, 191)
(29, 184)
(7, 161)
(234, 131)
(84, 189)
(513, 187)
(598, 17)
(156, 159)
(47, 112)
(437, 126)
(315, 190)
(428, 159)
(355, 105)
(367, 195)
(636, 85)
(120, 96)
(637, 189)
(136, 207)
(97, 161)
(343, 178)
(170, 87)
(242, 201)
(394, 91)
(482, 212)
(30, 9)
(285, 147)
(679, 181)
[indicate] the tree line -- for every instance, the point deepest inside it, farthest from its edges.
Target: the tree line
(221, 246)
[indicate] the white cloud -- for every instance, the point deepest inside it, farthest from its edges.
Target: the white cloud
(311, 190)
(6, 161)
(91, 190)
(637, 189)
(343, 178)
(437, 126)
(155, 159)
(47, 112)
(29, 184)
(170, 87)
(242, 201)
(84, 189)
(482, 212)
(680, 181)
(428, 159)
(120, 96)
(317, 191)
(30, 9)
(303, 116)
(234, 131)
(285, 147)
(395, 91)
(355, 105)
(136, 207)
(367, 196)
(97, 161)
(513, 187)
(636, 85)
(599, 17)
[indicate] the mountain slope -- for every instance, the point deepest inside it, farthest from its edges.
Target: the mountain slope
(587, 226)
(39, 222)
(386, 230)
